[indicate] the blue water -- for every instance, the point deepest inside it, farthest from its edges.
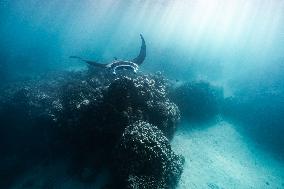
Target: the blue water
(236, 46)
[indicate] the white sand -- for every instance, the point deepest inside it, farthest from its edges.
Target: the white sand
(218, 157)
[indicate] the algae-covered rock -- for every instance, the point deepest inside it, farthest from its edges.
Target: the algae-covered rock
(144, 155)
(86, 117)
(198, 100)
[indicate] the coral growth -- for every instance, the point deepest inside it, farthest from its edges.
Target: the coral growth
(143, 157)
(98, 121)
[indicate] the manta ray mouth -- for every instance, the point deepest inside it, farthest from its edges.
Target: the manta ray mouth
(133, 68)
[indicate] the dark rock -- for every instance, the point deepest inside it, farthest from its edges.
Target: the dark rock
(165, 115)
(144, 158)
(84, 116)
(198, 101)
(141, 98)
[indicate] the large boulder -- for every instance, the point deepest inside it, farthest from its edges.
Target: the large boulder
(144, 158)
(198, 100)
(127, 100)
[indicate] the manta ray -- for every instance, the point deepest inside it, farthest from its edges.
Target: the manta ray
(115, 65)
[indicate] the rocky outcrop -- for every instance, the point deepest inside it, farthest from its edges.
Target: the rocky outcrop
(144, 158)
(98, 121)
(198, 100)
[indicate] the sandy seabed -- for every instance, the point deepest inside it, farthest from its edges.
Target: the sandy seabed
(219, 157)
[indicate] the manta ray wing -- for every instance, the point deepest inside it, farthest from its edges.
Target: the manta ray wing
(141, 57)
(93, 63)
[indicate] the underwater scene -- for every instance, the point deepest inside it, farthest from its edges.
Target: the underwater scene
(142, 94)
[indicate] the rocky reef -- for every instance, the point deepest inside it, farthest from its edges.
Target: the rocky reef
(144, 158)
(198, 100)
(123, 123)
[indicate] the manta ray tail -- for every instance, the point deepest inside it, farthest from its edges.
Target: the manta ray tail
(93, 63)
(141, 57)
